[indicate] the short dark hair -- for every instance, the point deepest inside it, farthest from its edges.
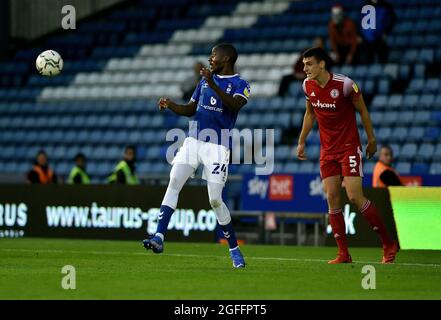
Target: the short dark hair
(41, 152)
(388, 147)
(320, 55)
(229, 50)
(130, 147)
(80, 156)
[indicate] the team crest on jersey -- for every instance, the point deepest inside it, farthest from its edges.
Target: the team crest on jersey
(335, 93)
(213, 101)
(229, 88)
(205, 85)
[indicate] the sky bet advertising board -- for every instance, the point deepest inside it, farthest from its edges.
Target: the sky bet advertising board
(101, 212)
(283, 192)
(303, 193)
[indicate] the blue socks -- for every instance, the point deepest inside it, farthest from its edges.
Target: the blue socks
(229, 235)
(165, 213)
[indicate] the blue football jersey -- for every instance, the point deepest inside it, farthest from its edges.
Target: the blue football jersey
(211, 113)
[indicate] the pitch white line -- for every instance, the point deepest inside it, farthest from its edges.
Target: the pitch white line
(211, 256)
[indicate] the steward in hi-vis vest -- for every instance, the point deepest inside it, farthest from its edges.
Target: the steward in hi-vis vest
(78, 174)
(41, 173)
(384, 175)
(124, 172)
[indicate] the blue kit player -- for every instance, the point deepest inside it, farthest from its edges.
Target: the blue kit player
(215, 104)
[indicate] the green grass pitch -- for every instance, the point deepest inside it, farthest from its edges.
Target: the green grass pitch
(31, 269)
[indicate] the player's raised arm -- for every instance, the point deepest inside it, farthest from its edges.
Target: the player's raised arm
(360, 106)
(308, 123)
(188, 109)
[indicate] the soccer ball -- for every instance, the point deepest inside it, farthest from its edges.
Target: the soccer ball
(49, 63)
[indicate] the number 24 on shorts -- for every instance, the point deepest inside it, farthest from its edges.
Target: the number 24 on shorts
(217, 166)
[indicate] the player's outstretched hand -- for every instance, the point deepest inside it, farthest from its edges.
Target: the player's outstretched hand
(208, 76)
(301, 151)
(164, 103)
(371, 148)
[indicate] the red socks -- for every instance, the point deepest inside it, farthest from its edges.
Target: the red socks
(370, 213)
(337, 222)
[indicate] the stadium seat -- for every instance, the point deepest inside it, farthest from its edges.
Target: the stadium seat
(408, 151)
(420, 168)
(403, 167)
(426, 152)
(435, 168)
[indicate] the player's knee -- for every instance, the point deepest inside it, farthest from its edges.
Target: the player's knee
(355, 199)
(174, 184)
(333, 196)
(215, 203)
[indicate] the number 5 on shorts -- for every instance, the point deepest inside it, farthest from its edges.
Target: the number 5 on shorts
(352, 161)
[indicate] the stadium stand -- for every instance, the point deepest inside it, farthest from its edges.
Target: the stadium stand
(117, 66)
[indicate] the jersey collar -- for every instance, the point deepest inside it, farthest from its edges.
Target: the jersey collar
(227, 76)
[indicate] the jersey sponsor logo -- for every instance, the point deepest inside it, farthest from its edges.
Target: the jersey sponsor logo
(281, 187)
(213, 100)
(335, 93)
(319, 104)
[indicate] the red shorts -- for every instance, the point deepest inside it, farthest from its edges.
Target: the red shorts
(347, 164)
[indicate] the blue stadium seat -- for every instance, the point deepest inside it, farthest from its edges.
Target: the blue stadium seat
(427, 100)
(432, 133)
(399, 134)
(408, 151)
(306, 167)
(291, 167)
(435, 168)
(384, 134)
(416, 86)
(425, 152)
(282, 153)
(437, 153)
(403, 167)
(420, 168)
(415, 134)
(395, 101)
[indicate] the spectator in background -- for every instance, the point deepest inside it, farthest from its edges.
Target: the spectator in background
(192, 82)
(375, 47)
(297, 70)
(343, 37)
(78, 174)
(41, 173)
(124, 172)
(384, 175)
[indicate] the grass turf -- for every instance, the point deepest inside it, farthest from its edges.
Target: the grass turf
(31, 269)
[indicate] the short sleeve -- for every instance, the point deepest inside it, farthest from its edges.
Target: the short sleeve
(350, 89)
(197, 93)
(242, 89)
(304, 90)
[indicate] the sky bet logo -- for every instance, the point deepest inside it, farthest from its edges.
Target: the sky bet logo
(281, 187)
(278, 188)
